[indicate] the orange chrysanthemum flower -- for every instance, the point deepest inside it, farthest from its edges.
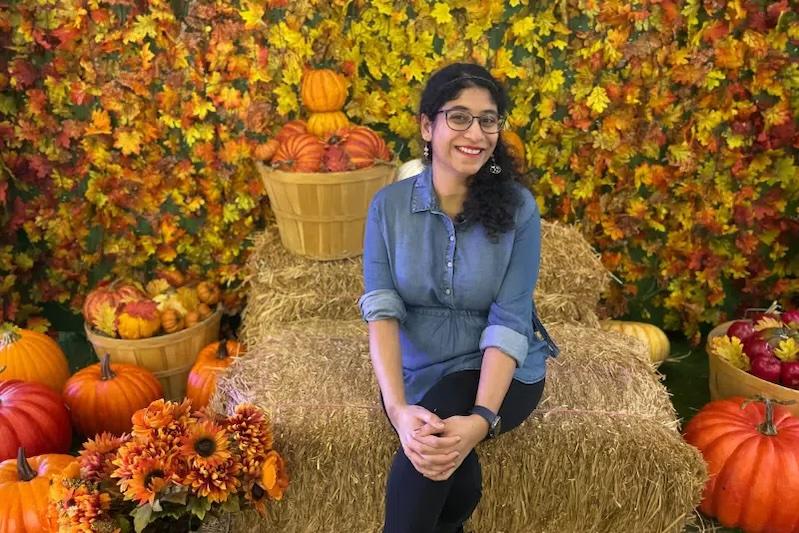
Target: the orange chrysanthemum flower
(79, 505)
(97, 455)
(215, 481)
(252, 437)
(150, 477)
(205, 443)
(274, 478)
(163, 421)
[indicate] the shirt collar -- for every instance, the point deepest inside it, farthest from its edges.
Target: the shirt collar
(424, 197)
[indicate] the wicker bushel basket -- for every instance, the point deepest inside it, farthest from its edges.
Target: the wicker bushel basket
(170, 357)
(322, 215)
(726, 380)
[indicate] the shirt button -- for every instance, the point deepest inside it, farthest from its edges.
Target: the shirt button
(449, 264)
(447, 291)
(451, 238)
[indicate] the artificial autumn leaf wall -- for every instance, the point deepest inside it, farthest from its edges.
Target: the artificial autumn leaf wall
(666, 129)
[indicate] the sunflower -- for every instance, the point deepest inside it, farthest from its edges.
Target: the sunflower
(215, 481)
(274, 479)
(96, 455)
(252, 435)
(149, 477)
(205, 443)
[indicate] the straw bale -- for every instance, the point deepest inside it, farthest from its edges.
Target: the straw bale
(285, 287)
(584, 462)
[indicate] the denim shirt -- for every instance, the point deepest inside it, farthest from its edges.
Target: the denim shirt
(453, 290)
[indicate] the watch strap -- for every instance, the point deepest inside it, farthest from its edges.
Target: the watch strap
(488, 415)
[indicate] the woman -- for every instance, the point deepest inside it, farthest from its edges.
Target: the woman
(450, 263)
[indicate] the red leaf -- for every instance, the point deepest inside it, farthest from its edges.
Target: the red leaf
(3, 190)
(23, 72)
(716, 31)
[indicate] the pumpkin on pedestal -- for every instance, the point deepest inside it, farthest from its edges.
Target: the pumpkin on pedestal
(752, 452)
(31, 356)
(104, 396)
(211, 360)
(34, 417)
(24, 491)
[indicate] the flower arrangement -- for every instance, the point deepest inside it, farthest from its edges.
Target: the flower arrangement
(173, 470)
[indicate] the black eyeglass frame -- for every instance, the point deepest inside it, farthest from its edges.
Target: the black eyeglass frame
(500, 121)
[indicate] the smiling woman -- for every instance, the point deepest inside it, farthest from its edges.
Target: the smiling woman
(451, 258)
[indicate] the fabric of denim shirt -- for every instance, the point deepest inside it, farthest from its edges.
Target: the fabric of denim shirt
(453, 290)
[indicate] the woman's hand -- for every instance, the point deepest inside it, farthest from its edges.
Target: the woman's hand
(419, 431)
(471, 429)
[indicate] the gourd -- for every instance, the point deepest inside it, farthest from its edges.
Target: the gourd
(752, 453)
(24, 490)
(32, 356)
(139, 319)
(32, 416)
(211, 360)
(324, 124)
(104, 396)
(110, 296)
(653, 337)
(300, 153)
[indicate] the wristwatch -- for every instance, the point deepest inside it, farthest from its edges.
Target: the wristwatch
(493, 419)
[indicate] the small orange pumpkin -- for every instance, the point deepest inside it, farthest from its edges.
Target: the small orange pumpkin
(267, 150)
(25, 489)
(211, 360)
(103, 397)
(323, 90)
(208, 292)
(172, 320)
(191, 318)
(323, 124)
(32, 356)
(364, 146)
(301, 153)
(138, 320)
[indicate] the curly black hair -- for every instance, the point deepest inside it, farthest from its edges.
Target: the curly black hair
(492, 199)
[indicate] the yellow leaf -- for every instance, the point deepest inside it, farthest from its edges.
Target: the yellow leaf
(201, 107)
(129, 142)
(106, 320)
(252, 15)
(598, 100)
(731, 350)
(441, 14)
(553, 81)
(143, 27)
(101, 123)
(767, 323)
(714, 79)
(787, 350)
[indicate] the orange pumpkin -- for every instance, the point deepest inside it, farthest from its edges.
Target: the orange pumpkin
(752, 453)
(31, 356)
(211, 360)
(301, 153)
(515, 146)
(323, 124)
(104, 396)
(323, 90)
(208, 292)
(25, 489)
(290, 129)
(267, 150)
(139, 319)
(364, 146)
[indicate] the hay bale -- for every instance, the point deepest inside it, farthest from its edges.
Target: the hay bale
(316, 381)
(572, 277)
(285, 287)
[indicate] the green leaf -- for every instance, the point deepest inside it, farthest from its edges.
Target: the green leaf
(178, 496)
(141, 516)
(231, 505)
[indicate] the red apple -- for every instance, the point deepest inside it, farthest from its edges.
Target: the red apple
(756, 346)
(767, 368)
(742, 329)
(789, 375)
(791, 317)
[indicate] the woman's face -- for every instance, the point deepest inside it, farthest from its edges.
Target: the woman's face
(460, 154)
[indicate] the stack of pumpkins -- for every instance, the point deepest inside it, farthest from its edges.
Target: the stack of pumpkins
(326, 142)
(41, 405)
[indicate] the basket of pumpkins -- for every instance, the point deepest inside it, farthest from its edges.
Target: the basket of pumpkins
(757, 355)
(321, 174)
(161, 325)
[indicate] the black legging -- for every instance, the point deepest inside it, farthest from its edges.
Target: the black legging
(416, 504)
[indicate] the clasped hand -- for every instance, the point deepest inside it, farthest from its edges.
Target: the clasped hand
(434, 446)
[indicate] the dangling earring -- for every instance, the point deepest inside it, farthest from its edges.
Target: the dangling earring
(426, 152)
(494, 168)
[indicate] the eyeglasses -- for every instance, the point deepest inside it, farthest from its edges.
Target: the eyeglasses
(459, 120)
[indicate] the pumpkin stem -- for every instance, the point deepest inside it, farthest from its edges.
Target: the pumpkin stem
(9, 334)
(106, 373)
(768, 427)
(24, 470)
(221, 351)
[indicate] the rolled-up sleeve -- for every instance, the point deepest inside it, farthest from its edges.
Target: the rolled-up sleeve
(510, 315)
(380, 299)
